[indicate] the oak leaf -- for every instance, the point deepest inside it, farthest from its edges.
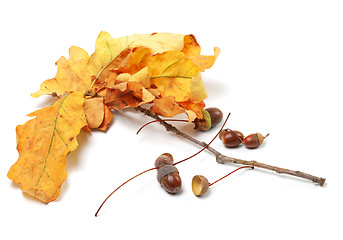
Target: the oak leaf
(166, 107)
(71, 75)
(172, 74)
(108, 116)
(198, 90)
(137, 60)
(192, 107)
(43, 144)
(192, 51)
(94, 111)
(158, 42)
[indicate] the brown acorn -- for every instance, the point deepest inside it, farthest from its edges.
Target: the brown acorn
(254, 140)
(168, 176)
(231, 138)
(211, 118)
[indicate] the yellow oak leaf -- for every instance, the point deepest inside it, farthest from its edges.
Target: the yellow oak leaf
(102, 67)
(43, 144)
(106, 49)
(172, 74)
(198, 90)
(159, 42)
(71, 75)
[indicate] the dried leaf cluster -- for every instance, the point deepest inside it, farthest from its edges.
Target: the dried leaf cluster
(161, 69)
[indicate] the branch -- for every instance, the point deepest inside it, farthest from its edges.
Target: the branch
(225, 159)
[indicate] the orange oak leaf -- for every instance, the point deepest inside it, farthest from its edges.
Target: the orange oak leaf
(166, 107)
(194, 107)
(118, 100)
(137, 60)
(192, 51)
(43, 144)
(108, 116)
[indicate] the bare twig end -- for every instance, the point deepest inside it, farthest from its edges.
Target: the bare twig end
(321, 181)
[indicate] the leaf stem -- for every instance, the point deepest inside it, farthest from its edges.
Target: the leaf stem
(150, 169)
(169, 120)
(210, 184)
(225, 159)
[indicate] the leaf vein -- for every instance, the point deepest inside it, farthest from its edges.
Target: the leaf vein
(51, 141)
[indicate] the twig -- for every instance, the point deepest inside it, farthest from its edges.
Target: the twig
(225, 159)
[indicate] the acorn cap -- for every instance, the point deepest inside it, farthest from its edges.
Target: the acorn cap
(164, 159)
(260, 138)
(200, 185)
(205, 123)
(164, 171)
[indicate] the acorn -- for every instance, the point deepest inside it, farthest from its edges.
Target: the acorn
(231, 138)
(167, 174)
(254, 140)
(211, 118)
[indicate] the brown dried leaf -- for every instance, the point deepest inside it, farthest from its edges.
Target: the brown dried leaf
(166, 107)
(94, 111)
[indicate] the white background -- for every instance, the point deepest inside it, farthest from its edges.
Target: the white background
(278, 72)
